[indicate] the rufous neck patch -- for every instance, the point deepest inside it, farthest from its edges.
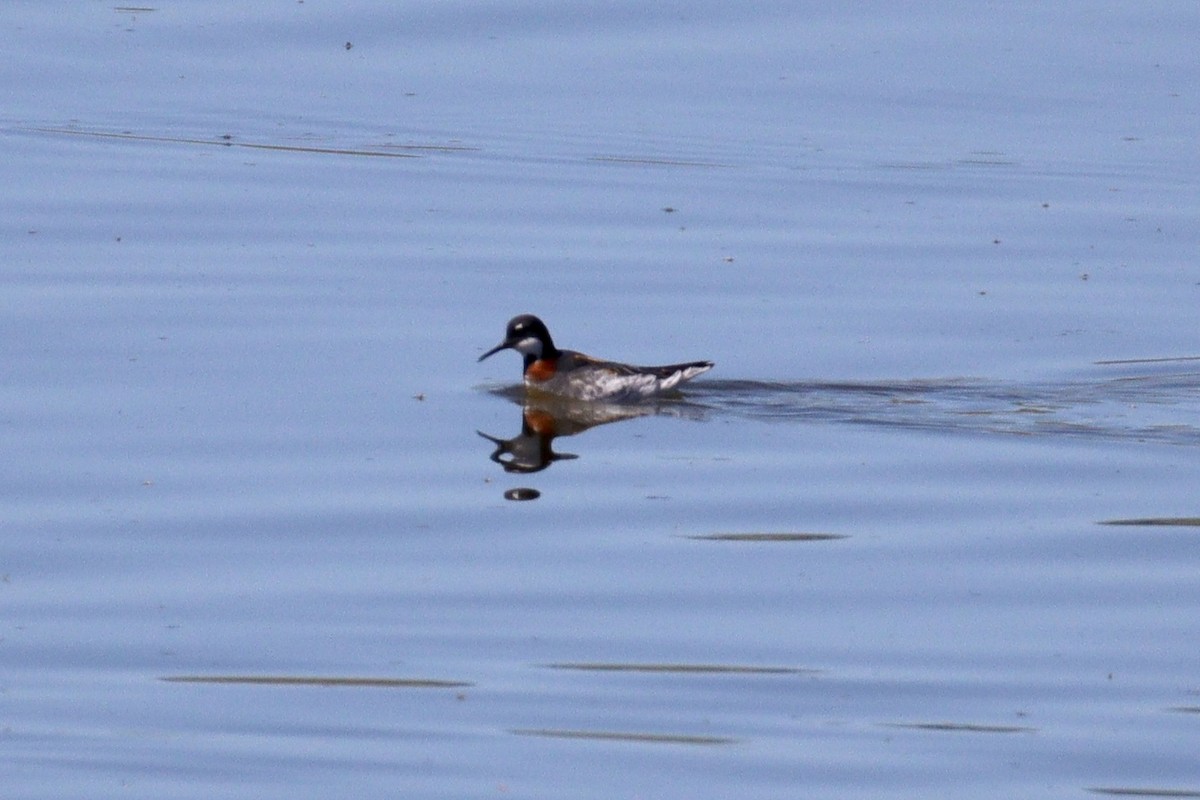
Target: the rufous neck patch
(542, 370)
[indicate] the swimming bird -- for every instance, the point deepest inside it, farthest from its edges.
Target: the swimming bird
(570, 374)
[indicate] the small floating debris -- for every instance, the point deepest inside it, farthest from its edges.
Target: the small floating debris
(1139, 791)
(1159, 360)
(624, 736)
(1186, 522)
(707, 669)
(960, 727)
(522, 493)
(305, 680)
(769, 537)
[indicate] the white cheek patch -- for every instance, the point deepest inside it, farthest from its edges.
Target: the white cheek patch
(530, 346)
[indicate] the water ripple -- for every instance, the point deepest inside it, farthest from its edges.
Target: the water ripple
(1149, 407)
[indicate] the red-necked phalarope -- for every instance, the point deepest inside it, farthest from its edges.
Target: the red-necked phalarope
(580, 377)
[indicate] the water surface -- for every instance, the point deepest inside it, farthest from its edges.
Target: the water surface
(928, 528)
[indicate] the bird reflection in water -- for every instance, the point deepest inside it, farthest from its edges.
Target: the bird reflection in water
(544, 419)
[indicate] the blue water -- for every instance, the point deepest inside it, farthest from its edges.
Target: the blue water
(944, 258)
